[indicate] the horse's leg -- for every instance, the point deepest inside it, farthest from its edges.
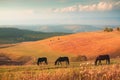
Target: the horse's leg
(46, 62)
(100, 62)
(108, 60)
(38, 63)
(41, 63)
(60, 63)
(57, 63)
(67, 63)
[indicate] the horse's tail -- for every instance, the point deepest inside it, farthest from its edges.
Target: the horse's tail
(108, 59)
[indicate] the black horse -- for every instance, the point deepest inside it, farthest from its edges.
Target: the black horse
(62, 59)
(42, 59)
(102, 57)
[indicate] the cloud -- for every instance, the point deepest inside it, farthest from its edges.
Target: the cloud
(117, 5)
(101, 6)
(15, 14)
(62, 0)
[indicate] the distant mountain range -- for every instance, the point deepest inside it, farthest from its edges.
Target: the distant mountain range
(61, 28)
(21, 33)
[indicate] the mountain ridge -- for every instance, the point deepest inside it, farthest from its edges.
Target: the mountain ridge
(68, 28)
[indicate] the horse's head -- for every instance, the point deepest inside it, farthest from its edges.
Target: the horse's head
(96, 61)
(56, 62)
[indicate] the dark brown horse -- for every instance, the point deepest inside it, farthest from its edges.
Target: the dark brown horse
(62, 59)
(42, 59)
(102, 57)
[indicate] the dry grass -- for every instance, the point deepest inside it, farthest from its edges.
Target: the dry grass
(89, 44)
(85, 71)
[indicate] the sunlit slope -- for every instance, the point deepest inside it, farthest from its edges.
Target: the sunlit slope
(89, 44)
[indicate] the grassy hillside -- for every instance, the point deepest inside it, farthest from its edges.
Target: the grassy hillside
(14, 35)
(89, 44)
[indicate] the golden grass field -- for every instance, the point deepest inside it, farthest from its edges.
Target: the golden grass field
(75, 71)
(89, 44)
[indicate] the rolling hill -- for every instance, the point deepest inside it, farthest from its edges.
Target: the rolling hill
(89, 44)
(14, 35)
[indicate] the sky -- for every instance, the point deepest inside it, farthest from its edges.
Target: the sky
(45, 12)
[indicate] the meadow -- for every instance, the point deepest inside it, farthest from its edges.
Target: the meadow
(86, 43)
(75, 71)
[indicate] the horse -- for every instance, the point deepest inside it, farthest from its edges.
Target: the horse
(102, 57)
(62, 59)
(42, 59)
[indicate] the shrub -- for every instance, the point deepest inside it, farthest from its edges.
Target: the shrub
(108, 29)
(24, 59)
(4, 57)
(118, 28)
(79, 58)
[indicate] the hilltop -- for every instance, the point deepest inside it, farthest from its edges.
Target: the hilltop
(89, 44)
